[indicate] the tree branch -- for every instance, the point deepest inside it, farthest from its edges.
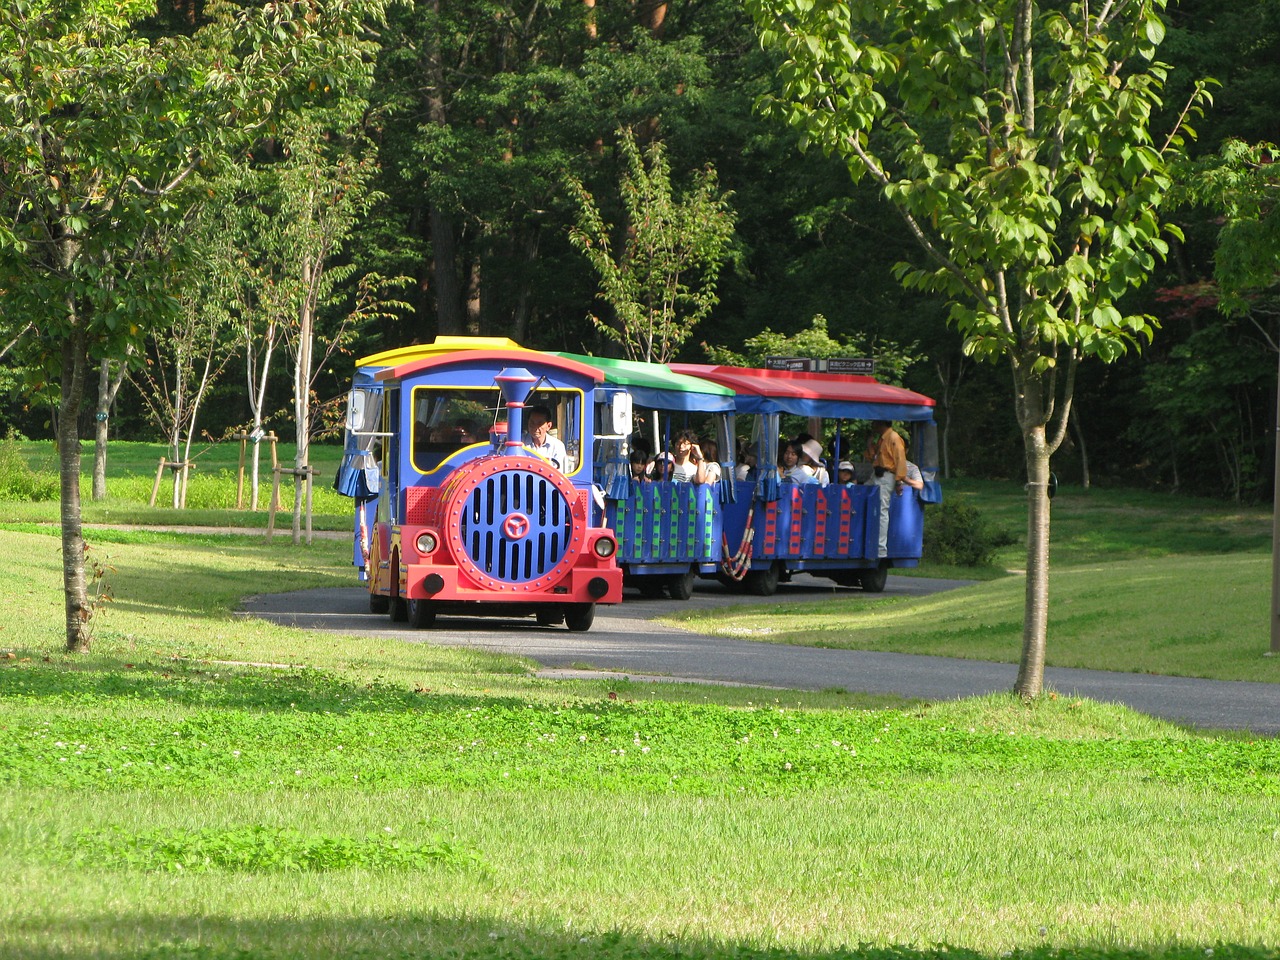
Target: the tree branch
(167, 188)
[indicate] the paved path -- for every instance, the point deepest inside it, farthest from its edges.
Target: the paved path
(625, 641)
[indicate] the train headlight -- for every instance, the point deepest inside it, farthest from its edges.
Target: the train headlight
(427, 542)
(605, 547)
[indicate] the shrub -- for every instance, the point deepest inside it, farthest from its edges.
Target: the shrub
(18, 481)
(956, 535)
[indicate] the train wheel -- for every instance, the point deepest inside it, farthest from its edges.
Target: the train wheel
(680, 585)
(422, 614)
(398, 608)
(650, 587)
(550, 617)
(378, 603)
(578, 617)
(873, 581)
(763, 583)
(728, 581)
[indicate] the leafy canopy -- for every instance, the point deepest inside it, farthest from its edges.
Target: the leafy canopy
(660, 276)
(1015, 139)
(104, 136)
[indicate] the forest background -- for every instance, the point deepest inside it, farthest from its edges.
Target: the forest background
(463, 170)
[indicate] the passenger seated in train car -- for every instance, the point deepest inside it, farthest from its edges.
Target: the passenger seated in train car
(540, 440)
(465, 432)
(914, 479)
(790, 469)
(711, 457)
(660, 467)
(811, 457)
(688, 465)
(746, 468)
(640, 465)
(845, 473)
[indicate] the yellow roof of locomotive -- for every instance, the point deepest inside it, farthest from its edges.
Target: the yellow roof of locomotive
(447, 344)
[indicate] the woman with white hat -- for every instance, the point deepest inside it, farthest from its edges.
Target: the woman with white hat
(811, 457)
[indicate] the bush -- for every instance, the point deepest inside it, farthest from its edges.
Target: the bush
(956, 535)
(18, 481)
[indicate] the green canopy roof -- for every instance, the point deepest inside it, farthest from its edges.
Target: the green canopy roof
(656, 386)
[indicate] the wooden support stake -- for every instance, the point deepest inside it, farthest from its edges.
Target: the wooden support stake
(275, 501)
(310, 471)
(155, 490)
(243, 438)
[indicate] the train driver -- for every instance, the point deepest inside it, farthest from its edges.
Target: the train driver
(540, 440)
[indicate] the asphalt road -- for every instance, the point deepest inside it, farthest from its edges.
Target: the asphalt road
(625, 641)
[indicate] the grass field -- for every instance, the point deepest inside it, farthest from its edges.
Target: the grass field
(203, 785)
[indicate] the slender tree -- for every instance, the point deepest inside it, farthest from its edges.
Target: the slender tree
(657, 270)
(103, 136)
(1016, 142)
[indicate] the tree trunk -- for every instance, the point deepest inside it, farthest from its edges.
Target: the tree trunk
(444, 244)
(108, 387)
(475, 304)
(258, 377)
(524, 296)
(444, 265)
(75, 360)
(1030, 680)
(302, 390)
(1084, 452)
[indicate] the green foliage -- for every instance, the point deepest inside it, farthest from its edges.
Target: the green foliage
(892, 359)
(1240, 185)
(251, 731)
(18, 481)
(1201, 402)
(104, 134)
(258, 849)
(657, 270)
(1035, 196)
(957, 535)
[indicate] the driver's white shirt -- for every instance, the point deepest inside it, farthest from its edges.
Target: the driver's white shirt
(551, 450)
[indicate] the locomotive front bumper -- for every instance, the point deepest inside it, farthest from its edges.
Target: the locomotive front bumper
(582, 584)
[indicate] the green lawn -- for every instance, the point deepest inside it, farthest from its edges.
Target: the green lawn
(1139, 583)
(211, 493)
(208, 786)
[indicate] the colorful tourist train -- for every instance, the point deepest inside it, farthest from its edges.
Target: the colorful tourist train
(464, 504)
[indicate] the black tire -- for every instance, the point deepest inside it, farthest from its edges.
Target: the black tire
(763, 583)
(729, 582)
(680, 585)
(873, 581)
(578, 617)
(422, 614)
(650, 587)
(550, 617)
(378, 603)
(399, 610)
(847, 578)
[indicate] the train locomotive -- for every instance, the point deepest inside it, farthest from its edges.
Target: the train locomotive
(455, 511)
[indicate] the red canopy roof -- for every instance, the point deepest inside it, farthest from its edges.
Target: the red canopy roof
(814, 394)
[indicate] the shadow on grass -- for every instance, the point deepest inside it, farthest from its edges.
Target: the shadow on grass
(432, 935)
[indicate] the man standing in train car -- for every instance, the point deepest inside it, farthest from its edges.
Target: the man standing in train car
(540, 440)
(890, 468)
